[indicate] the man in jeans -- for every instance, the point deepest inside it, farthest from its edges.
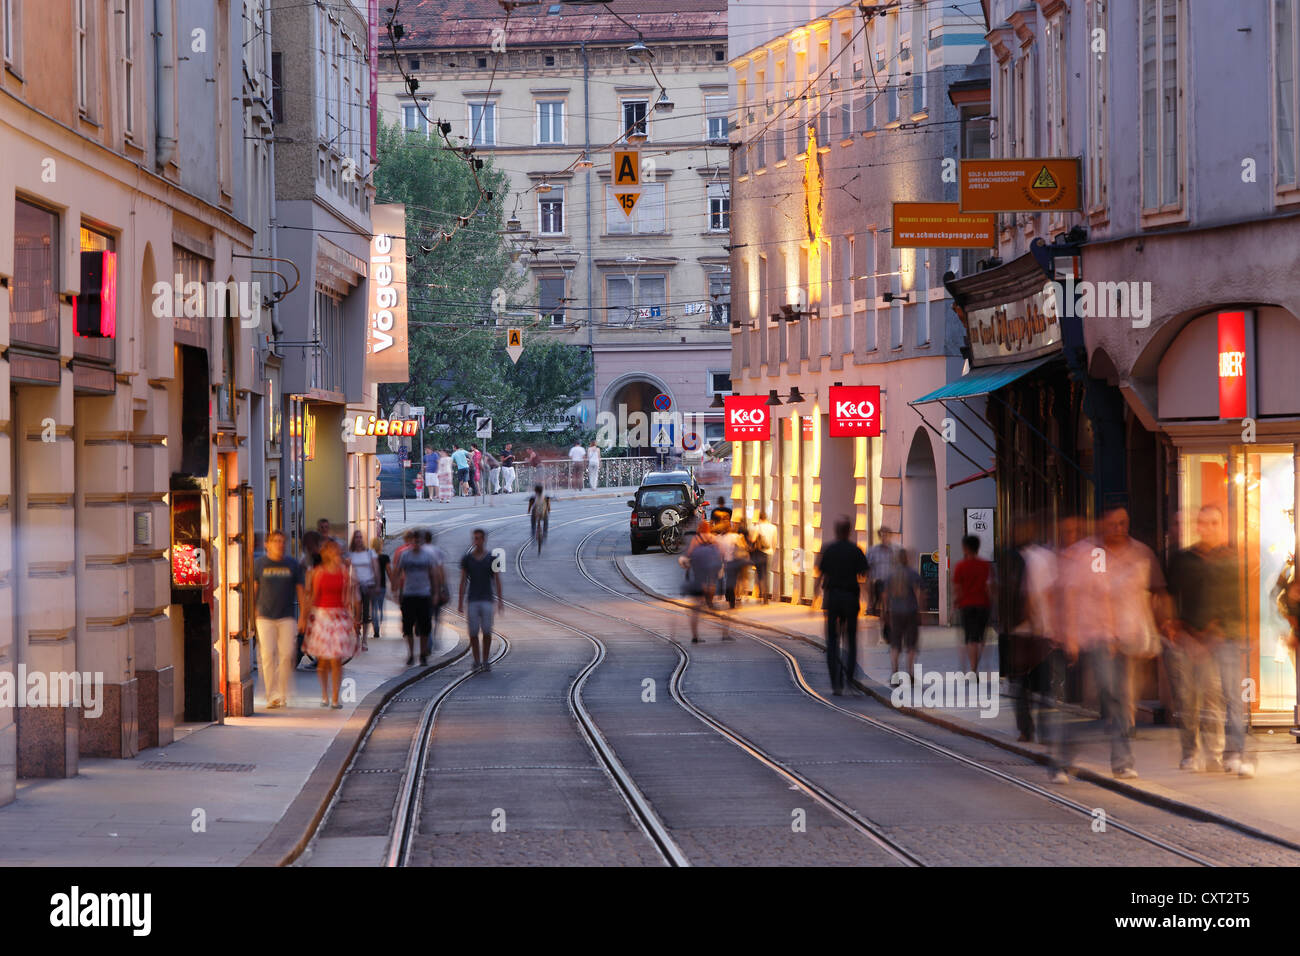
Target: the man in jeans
(277, 583)
(842, 570)
(416, 572)
(1206, 656)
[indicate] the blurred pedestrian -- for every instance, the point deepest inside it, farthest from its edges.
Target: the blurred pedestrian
(842, 571)
(703, 563)
(1206, 630)
(478, 577)
(508, 469)
(327, 618)
(491, 469)
(743, 560)
(972, 584)
(577, 462)
(445, 477)
(365, 571)
(1032, 579)
(762, 541)
(539, 512)
(1112, 583)
(311, 542)
(278, 584)
(880, 566)
(475, 470)
(460, 460)
(416, 571)
(379, 597)
(901, 602)
(431, 471)
(593, 465)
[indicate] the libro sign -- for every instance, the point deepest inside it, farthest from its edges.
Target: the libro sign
(746, 418)
(1234, 364)
(854, 411)
(386, 355)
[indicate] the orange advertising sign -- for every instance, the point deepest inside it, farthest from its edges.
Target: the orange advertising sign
(1020, 185)
(941, 225)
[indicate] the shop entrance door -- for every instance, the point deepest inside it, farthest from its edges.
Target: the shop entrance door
(1254, 487)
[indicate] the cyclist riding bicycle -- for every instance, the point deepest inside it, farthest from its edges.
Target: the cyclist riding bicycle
(539, 515)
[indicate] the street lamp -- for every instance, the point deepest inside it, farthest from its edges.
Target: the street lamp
(794, 398)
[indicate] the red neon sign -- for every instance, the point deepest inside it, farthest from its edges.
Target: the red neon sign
(854, 411)
(94, 311)
(746, 418)
(1233, 383)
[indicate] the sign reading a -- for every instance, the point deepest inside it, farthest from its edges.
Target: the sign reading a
(745, 418)
(854, 411)
(1020, 185)
(941, 225)
(1234, 382)
(625, 178)
(386, 355)
(514, 344)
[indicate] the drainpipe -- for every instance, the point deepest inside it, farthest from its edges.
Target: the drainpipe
(586, 145)
(163, 86)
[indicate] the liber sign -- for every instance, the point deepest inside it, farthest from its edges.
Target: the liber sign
(1235, 350)
(368, 426)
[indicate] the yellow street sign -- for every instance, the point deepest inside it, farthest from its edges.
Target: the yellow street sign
(627, 202)
(515, 337)
(626, 169)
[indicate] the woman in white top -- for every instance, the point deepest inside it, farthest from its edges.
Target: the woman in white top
(593, 464)
(365, 572)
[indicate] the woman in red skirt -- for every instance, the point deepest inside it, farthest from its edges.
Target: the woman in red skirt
(328, 619)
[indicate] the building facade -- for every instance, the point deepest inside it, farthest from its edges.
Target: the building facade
(545, 92)
(838, 117)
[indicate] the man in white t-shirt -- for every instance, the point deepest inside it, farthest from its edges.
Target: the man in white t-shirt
(578, 462)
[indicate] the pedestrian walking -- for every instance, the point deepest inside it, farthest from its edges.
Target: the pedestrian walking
(1205, 653)
(901, 603)
(478, 579)
(736, 551)
(431, 460)
(577, 463)
(508, 469)
(379, 596)
(494, 472)
(841, 569)
(460, 460)
(539, 512)
(880, 567)
(593, 465)
(417, 572)
(491, 472)
(327, 617)
(445, 468)
(762, 541)
(278, 584)
(1032, 579)
(703, 563)
(365, 570)
(1112, 583)
(475, 470)
(972, 583)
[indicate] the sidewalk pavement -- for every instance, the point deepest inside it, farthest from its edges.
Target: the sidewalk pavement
(219, 794)
(1265, 804)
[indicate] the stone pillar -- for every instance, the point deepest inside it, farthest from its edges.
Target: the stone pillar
(8, 628)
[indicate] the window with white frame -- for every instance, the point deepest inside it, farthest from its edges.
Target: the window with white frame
(635, 300)
(9, 11)
(1006, 110)
(779, 135)
(719, 298)
(647, 216)
(1024, 94)
(719, 382)
(83, 54)
(322, 73)
(550, 212)
(634, 117)
(483, 124)
(719, 195)
(1286, 67)
(550, 122)
(127, 19)
(413, 121)
(715, 117)
(1161, 126)
(1098, 93)
(1054, 57)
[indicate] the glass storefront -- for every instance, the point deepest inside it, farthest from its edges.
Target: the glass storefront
(1254, 487)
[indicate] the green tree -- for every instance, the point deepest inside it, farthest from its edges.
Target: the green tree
(459, 277)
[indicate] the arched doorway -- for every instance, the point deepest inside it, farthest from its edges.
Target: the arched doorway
(627, 399)
(920, 498)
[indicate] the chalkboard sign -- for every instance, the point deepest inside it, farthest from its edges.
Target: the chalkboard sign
(930, 581)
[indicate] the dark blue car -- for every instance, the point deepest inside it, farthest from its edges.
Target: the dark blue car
(390, 477)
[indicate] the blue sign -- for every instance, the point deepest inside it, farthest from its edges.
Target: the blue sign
(691, 441)
(663, 403)
(663, 435)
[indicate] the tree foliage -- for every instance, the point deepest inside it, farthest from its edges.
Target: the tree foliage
(455, 288)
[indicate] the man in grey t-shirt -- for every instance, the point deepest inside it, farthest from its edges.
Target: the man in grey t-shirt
(417, 577)
(277, 584)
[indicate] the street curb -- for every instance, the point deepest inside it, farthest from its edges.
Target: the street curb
(296, 827)
(881, 693)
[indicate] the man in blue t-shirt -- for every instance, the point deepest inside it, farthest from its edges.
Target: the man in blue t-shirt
(431, 472)
(277, 585)
(460, 461)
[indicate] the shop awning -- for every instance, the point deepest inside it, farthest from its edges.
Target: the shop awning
(982, 381)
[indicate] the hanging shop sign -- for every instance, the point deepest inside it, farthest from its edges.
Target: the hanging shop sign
(941, 225)
(745, 418)
(854, 411)
(1235, 348)
(386, 342)
(1020, 329)
(368, 426)
(1020, 185)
